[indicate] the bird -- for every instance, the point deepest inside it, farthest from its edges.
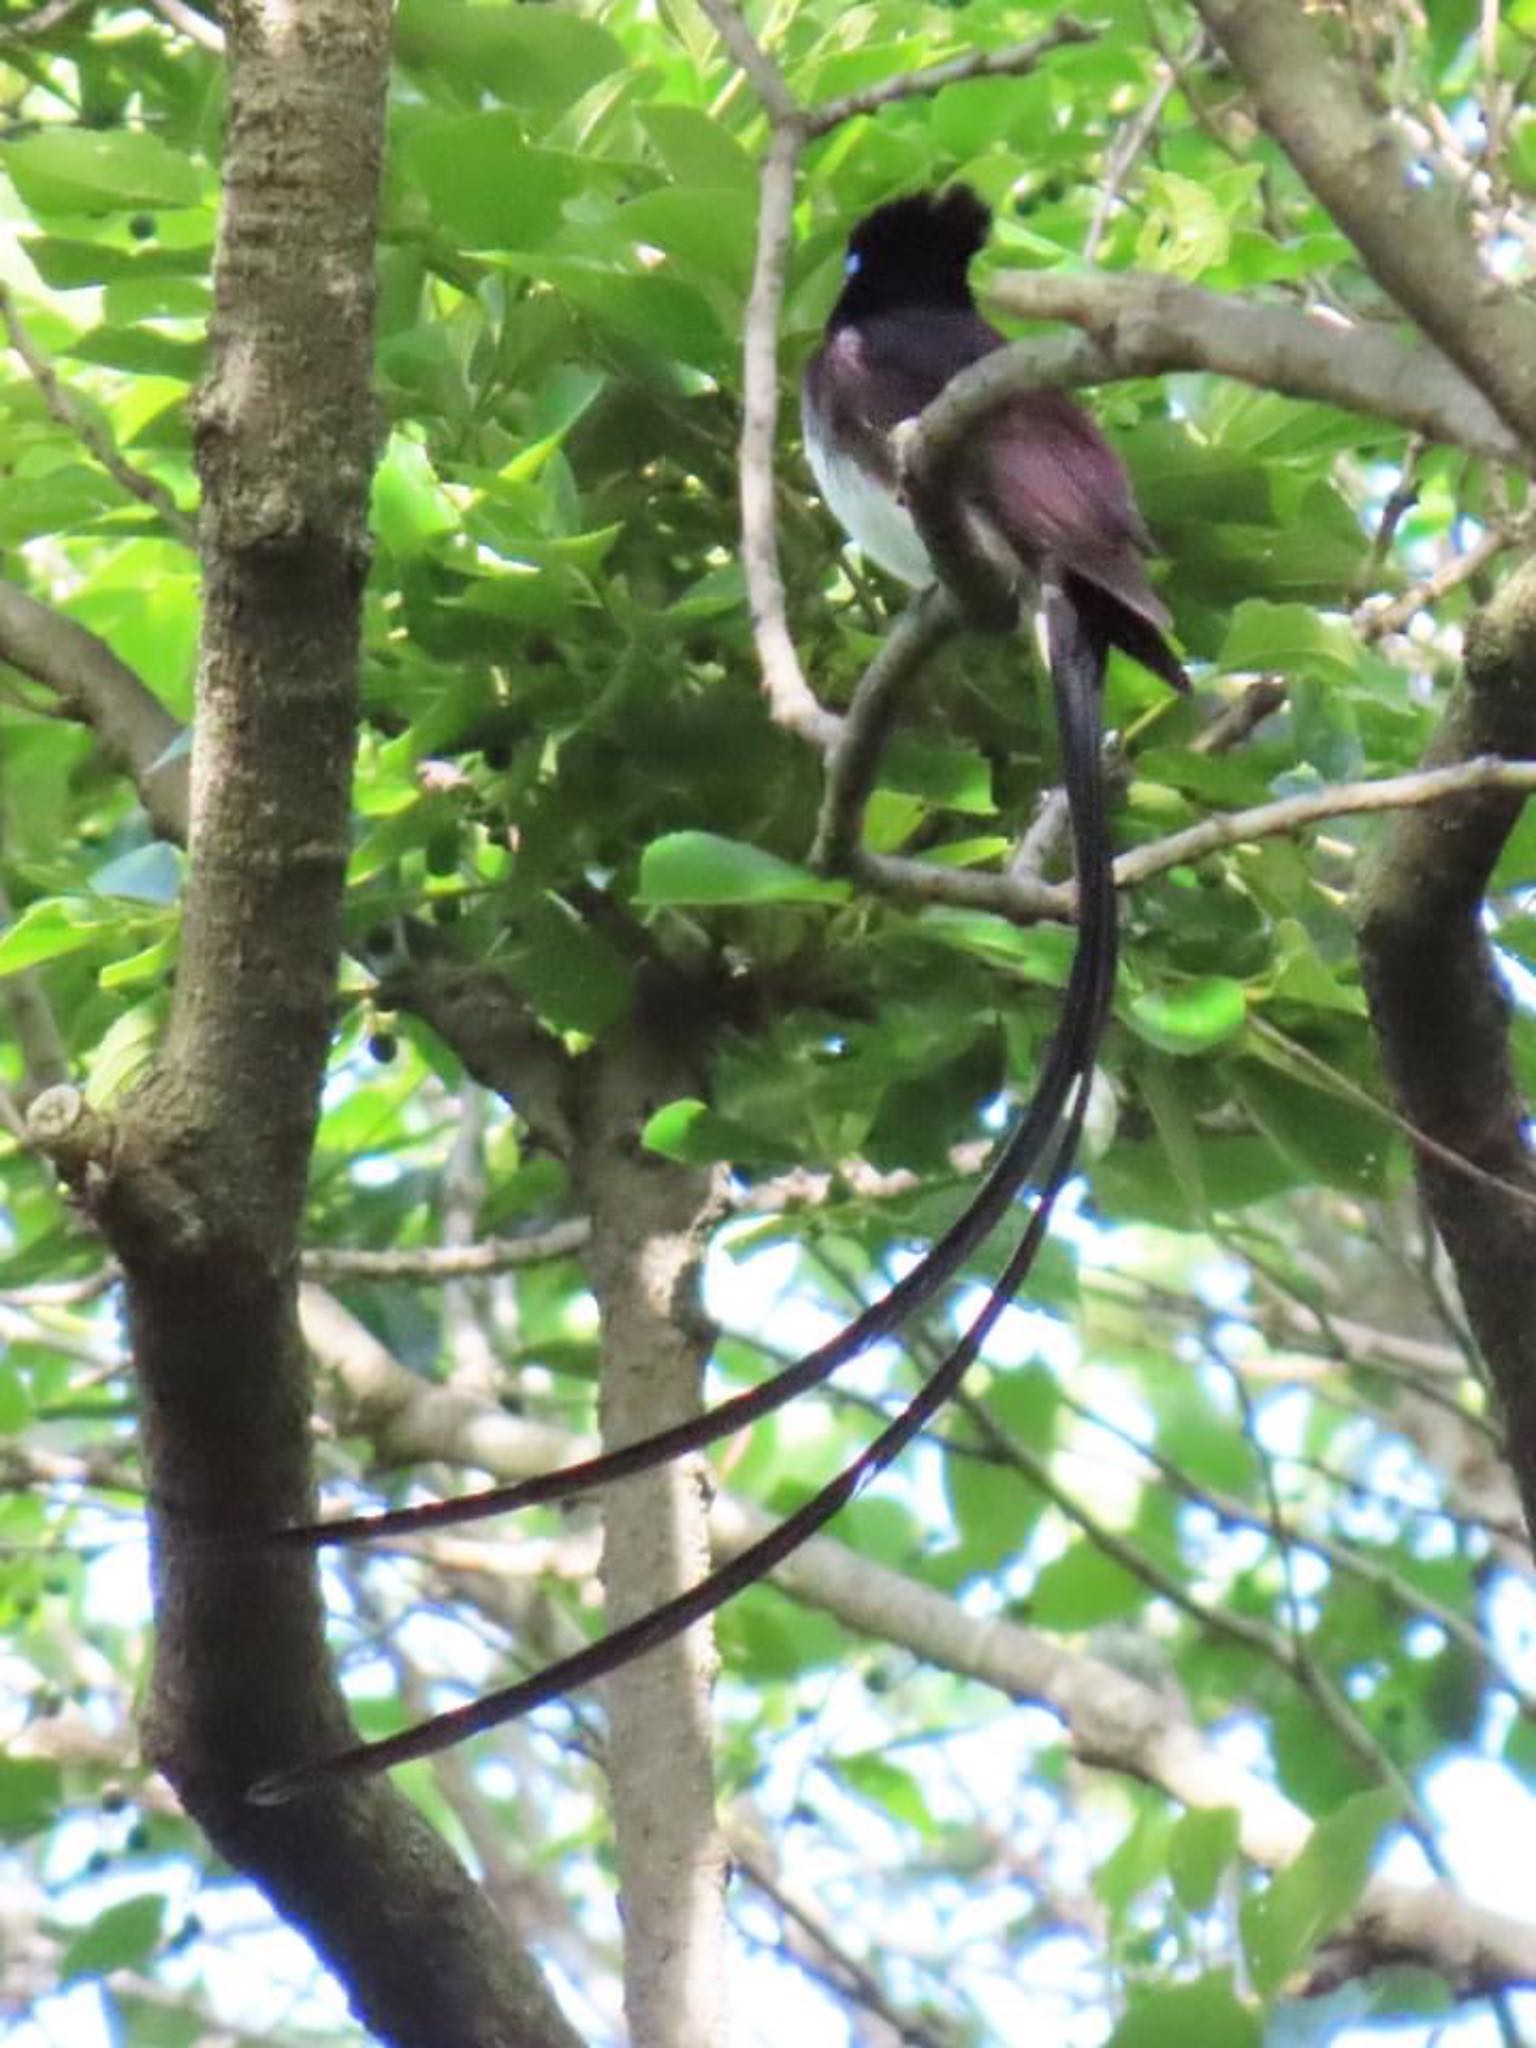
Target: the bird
(1037, 471)
(1047, 488)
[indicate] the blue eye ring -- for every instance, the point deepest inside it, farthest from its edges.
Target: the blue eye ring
(854, 263)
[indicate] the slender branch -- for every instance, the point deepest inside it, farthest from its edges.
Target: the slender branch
(48, 16)
(438, 1263)
(1137, 325)
(196, 27)
(790, 697)
(1343, 1557)
(134, 728)
(767, 80)
(70, 413)
(1129, 144)
(1349, 799)
(851, 1978)
(853, 760)
(1026, 901)
(1011, 62)
(1376, 621)
(1407, 233)
(1231, 726)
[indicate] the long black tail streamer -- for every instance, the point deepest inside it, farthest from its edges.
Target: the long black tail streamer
(1077, 670)
(1024, 1148)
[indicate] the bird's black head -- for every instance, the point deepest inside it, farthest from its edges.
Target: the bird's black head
(913, 252)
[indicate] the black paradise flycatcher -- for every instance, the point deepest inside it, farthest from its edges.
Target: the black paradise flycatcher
(1044, 489)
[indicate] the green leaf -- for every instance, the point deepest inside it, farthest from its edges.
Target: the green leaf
(575, 979)
(886, 1785)
(696, 150)
(708, 234)
(31, 1795)
(693, 1134)
(411, 510)
(15, 1404)
(1205, 2014)
(1304, 1903)
(1190, 1020)
(1186, 232)
(542, 58)
(1341, 1142)
(1201, 1850)
(487, 185)
(95, 170)
(700, 868)
(1041, 953)
(66, 265)
(70, 496)
(1290, 638)
(959, 778)
(994, 1509)
(125, 1053)
(121, 1938)
(1083, 1588)
(47, 930)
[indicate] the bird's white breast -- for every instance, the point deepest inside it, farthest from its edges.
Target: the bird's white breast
(867, 512)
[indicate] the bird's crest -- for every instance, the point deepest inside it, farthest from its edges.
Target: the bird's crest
(924, 227)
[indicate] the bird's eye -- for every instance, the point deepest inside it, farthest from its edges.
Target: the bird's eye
(854, 263)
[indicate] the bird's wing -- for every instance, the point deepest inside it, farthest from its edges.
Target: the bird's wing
(868, 377)
(1045, 474)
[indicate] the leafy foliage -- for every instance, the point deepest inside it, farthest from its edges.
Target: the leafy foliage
(567, 773)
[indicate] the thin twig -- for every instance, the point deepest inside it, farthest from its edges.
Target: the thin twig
(1231, 726)
(1128, 146)
(852, 762)
(790, 697)
(449, 1262)
(779, 102)
(1350, 799)
(1376, 621)
(69, 412)
(1011, 62)
(48, 16)
(196, 27)
(850, 1978)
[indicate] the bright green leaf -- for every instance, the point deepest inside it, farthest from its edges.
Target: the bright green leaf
(1303, 1904)
(1083, 1588)
(1190, 1020)
(96, 170)
(1205, 2014)
(31, 1795)
(702, 869)
(1201, 1850)
(487, 185)
(46, 931)
(120, 1938)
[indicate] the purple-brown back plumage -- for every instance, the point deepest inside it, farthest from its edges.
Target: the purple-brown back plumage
(904, 324)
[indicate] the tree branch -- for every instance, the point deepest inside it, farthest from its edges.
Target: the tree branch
(1137, 325)
(1407, 232)
(200, 1184)
(136, 732)
(1442, 1017)
(854, 757)
(644, 1262)
(1013, 61)
(71, 414)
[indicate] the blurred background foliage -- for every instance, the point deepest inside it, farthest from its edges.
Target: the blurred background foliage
(1237, 1440)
